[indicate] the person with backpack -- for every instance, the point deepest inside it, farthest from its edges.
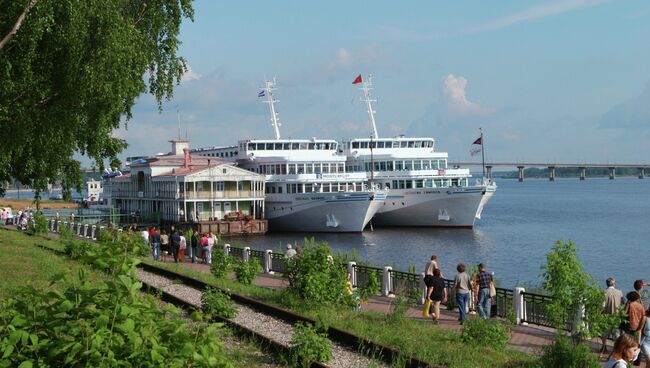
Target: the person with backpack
(635, 315)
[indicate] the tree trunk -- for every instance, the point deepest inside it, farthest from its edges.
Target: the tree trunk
(19, 22)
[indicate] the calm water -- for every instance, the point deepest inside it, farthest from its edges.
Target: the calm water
(608, 220)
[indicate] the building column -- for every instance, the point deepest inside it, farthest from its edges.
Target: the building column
(521, 173)
(489, 172)
(612, 173)
(641, 172)
(583, 173)
(551, 173)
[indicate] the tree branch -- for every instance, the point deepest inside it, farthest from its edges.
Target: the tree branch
(18, 23)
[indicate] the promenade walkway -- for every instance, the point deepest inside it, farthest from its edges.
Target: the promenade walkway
(529, 339)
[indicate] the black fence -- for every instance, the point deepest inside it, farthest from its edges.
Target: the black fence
(535, 310)
(252, 253)
(363, 275)
(237, 252)
(278, 262)
(405, 283)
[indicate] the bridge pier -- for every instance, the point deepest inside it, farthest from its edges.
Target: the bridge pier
(583, 173)
(612, 173)
(489, 172)
(641, 172)
(551, 173)
(521, 172)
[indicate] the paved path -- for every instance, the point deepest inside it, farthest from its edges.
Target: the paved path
(529, 339)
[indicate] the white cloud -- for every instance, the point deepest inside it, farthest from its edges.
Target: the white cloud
(455, 97)
(532, 13)
(190, 75)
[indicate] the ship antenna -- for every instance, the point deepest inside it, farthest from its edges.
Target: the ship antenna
(270, 99)
(368, 100)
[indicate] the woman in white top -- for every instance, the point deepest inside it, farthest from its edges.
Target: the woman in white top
(182, 247)
(626, 349)
(212, 240)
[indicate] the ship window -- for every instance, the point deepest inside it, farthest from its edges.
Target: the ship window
(403, 144)
(303, 146)
(366, 166)
(317, 168)
(358, 187)
(269, 146)
(411, 144)
(399, 165)
(418, 144)
(286, 146)
(380, 144)
(251, 146)
(382, 166)
(334, 145)
(301, 168)
(311, 146)
(294, 146)
(409, 184)
(376, 166)
(341, 168)
(325, 188)
(443, 163)
(408, 165)
(454, 182)
(419, 183)
(389, 166)
(417, 165)
(309, 188)
(280, 189)
(355, 144)
(278, 146)
(438, 182)
(283, 169)
(364, 144)
(292, 169)
(326, 168)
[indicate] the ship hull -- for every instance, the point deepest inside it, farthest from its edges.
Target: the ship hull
(432, 207)
(322, 212)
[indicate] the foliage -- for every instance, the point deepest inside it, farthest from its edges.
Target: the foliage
(106, 323)
(115, 250)
(76, 249)
(247, 271)
(572, 289)
(563, 353)
(318, 278)
(71, 74)
(221, 262)
(400, 307)
(309, 345)
(218, 303)
(482, 332)
(38, 226)
(371, 288)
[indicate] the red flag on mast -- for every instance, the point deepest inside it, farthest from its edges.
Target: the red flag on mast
(357, 80)
(478, 141)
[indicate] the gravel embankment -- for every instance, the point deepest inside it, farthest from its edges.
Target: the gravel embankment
(265, 325)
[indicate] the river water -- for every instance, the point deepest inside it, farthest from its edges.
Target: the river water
(608, 220)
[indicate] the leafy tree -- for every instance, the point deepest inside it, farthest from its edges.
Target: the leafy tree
(572, 289)
(70, 71)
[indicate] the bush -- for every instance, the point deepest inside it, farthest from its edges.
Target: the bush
(400, 306)
(492, 333)
(318, 278)
(371, 289)
(217, 303)
(221, 263)
(76, 249)
(247, 271)
(563, 353)
(309, 345)
(38, 226)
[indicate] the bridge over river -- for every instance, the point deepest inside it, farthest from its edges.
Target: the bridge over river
(641, 168)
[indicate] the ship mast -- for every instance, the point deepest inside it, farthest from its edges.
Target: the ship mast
(270, 99)
(368, 100)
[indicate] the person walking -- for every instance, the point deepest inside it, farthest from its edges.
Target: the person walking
(644, 293)
(194, 242)
(176, 245)
(613, 302)
(437, 293)
(484, 299)
(181, 248)
(164, 246)
(212, 241)
(462, 286)
(290, 252)
(626, 349)
(636, 315)
(203, 242)
(154, 238)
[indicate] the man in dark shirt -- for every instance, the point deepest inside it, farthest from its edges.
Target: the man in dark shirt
(154, 238)
(438, 294)
(176, 245)
(484, 299)
(195, 245)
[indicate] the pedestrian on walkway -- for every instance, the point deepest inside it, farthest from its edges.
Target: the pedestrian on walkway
(154, 238)
(212, 241)
(484, 299)
(176, 245)
(431, 265)
(636, 315)
(165, 249)
(195, 245)
(626, 349)
(181, 248)
(613, 302)
(290, 252)
(203, 242)
(462, 286)
(644, 293)
(437, 294)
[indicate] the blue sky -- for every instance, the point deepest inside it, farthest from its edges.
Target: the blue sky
(562, 80)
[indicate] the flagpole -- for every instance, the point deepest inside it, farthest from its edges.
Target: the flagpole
(482, 153)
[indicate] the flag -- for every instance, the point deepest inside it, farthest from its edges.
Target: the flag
(475, 151)
(261, 94)
(357, 80)
(478, 140)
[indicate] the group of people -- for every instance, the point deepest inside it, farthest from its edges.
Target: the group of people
(24, 217)
(481, 283)
(633, 335)
(162, 244)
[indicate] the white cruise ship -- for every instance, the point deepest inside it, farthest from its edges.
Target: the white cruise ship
(423, 191)
(307, 186)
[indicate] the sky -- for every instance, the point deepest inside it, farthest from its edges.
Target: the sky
(555, 81)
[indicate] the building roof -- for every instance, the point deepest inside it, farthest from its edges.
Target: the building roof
(176, 160)
(192, 169)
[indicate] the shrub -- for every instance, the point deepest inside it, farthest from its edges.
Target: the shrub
(563, 353)
(247, 271)
(221, 263)
(309, 345)
(400, 306)
(38, 226)
(76, 249)
(217, 303)
(318, 278)
(371, 288)
(492, 333)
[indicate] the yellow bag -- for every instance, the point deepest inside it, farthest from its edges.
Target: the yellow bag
(427, 305)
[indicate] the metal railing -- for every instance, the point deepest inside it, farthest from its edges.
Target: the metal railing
(252, 253)
(363, 275)
(405, 283)
(502, 302)
(535, 310)
(278, 262)
(237, 252)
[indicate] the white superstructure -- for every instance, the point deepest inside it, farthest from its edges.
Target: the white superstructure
(423, 191)
(307, 185)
